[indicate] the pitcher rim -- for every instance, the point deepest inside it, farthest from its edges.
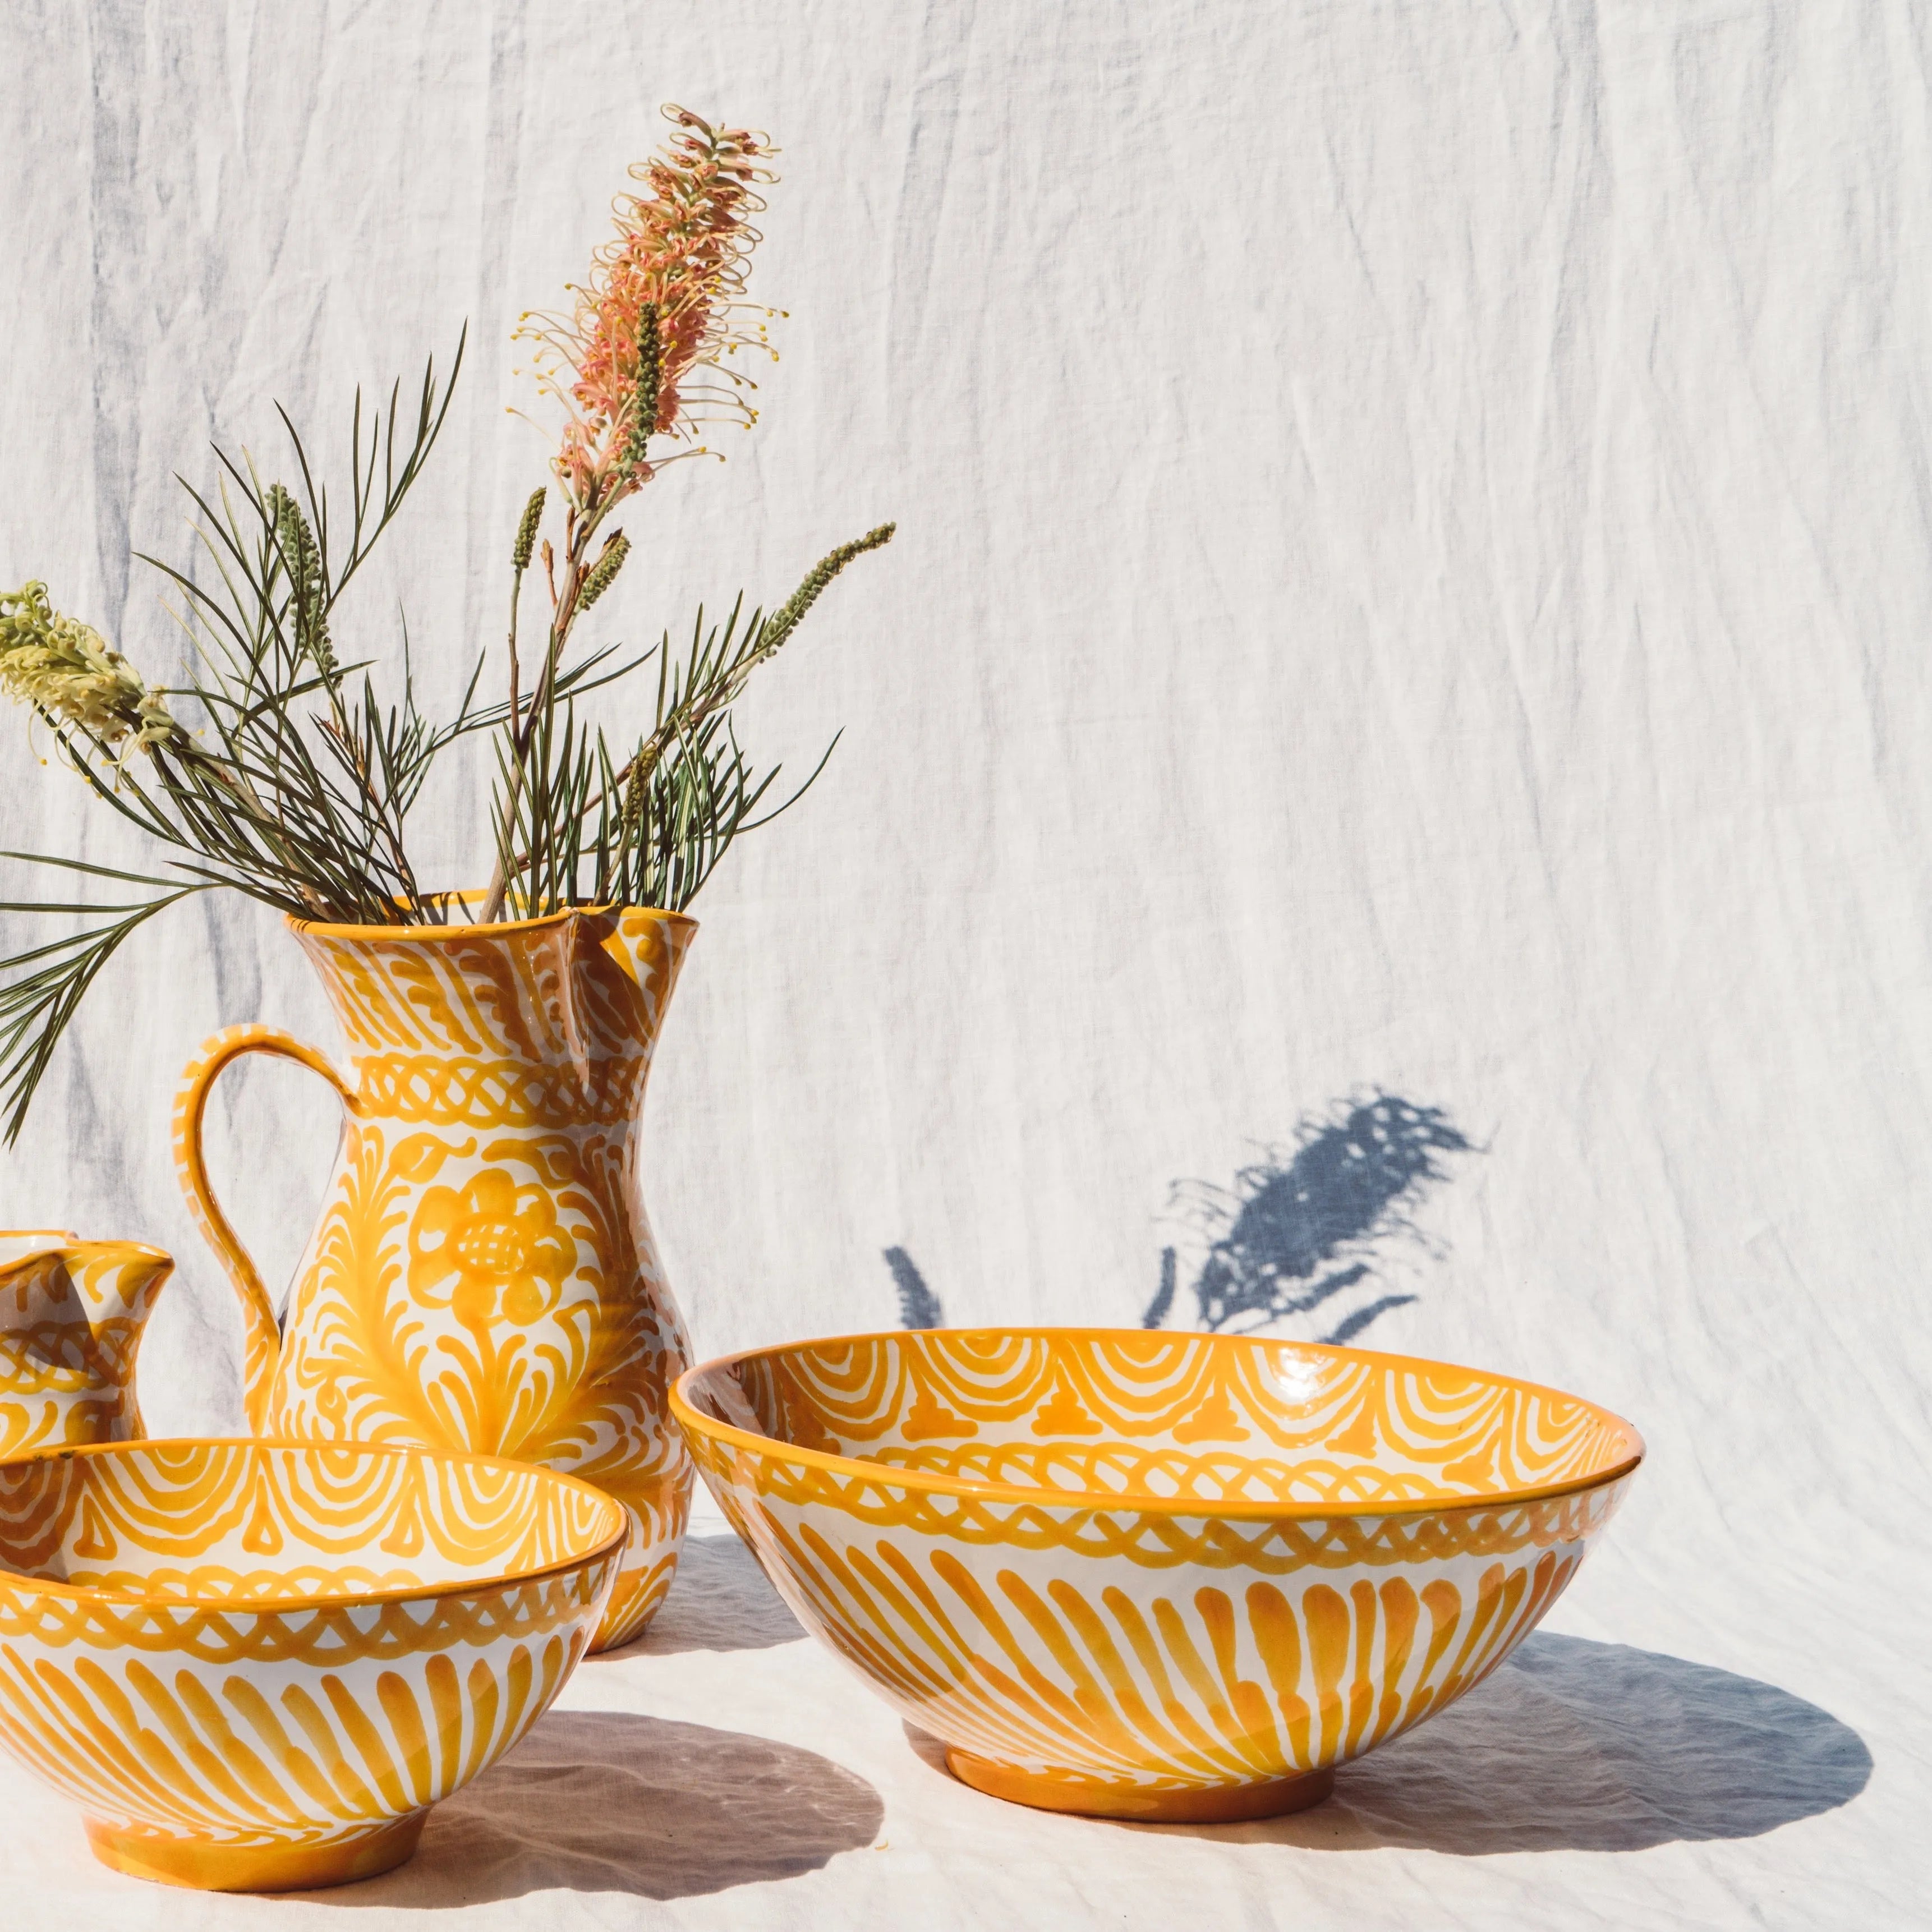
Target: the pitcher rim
(74, 1244)
(330, 929)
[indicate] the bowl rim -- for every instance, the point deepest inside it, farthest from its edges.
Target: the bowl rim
(1147, 1502)
(51, 1586)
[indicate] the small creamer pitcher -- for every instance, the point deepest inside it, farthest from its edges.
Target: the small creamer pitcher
(71, 1314)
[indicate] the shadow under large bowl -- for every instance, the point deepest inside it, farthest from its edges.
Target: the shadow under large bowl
(1151, 1575)
(255, 1666)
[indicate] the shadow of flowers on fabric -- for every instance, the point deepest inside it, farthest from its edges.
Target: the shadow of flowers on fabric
(611, 1802)
(1293, 1232)
(1296, 1230)
(721, 1601)
(1576, 1746)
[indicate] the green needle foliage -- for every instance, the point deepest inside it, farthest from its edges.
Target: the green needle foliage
(275, 769)
(52, 978)
(295, 786)
(575, 827)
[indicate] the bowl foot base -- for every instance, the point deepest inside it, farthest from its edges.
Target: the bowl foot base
(208, 1867)
(1096, 1797)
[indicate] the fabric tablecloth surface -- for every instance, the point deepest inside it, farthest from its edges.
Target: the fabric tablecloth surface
(1384, 794)
(726, 1772)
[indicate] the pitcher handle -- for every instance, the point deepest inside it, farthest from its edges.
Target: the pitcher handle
(261, 1333)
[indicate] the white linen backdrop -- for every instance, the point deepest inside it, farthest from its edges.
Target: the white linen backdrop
(1414, 577)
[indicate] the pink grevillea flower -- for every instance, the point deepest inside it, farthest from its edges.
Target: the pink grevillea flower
(679, 260)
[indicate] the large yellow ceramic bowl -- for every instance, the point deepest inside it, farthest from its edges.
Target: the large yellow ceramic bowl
(1154, 1575)
(255, 1665)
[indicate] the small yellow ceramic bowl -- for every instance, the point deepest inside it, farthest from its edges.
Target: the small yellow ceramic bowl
(1153, 1575)
(255, 1665)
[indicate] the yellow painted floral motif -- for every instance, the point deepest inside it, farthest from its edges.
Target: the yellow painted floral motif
(488, 1250)
(226, 1719)
(483, 1276)
(1149, 1575)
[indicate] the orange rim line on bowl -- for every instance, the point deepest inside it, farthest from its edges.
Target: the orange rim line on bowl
(894, 1476)
(347, 1599)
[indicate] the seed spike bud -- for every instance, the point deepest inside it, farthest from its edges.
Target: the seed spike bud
(526, 530)
(604, 572)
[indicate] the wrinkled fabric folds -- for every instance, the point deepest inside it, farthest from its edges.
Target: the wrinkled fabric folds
(1382, 793)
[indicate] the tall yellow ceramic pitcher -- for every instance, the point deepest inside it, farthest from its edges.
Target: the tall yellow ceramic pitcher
(483, 1276)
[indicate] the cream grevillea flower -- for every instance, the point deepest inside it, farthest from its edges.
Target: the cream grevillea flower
(70, 672)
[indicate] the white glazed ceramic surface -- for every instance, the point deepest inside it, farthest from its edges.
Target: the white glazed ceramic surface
(1150, 1575)
(255, 1666)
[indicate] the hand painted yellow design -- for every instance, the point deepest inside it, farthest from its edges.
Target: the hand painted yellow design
(1395, 1424)
(265, 1727)
(483, 1276)
(71, 1314)
(1155, 1575)
(490, 1247)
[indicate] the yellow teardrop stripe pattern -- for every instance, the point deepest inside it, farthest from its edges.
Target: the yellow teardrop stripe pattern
(255, 1666)
(1155, 1575)
(482, 1277)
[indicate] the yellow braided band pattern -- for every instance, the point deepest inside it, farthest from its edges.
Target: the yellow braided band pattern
(482, 1277)
(228, 1651)
(1124, 1572)
(71, 1315)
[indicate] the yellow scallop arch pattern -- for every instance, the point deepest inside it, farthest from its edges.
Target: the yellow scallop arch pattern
(1165, 1564)
(483, 1276)
(175, 1684)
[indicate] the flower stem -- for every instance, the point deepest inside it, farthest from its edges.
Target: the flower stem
(522, 730)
